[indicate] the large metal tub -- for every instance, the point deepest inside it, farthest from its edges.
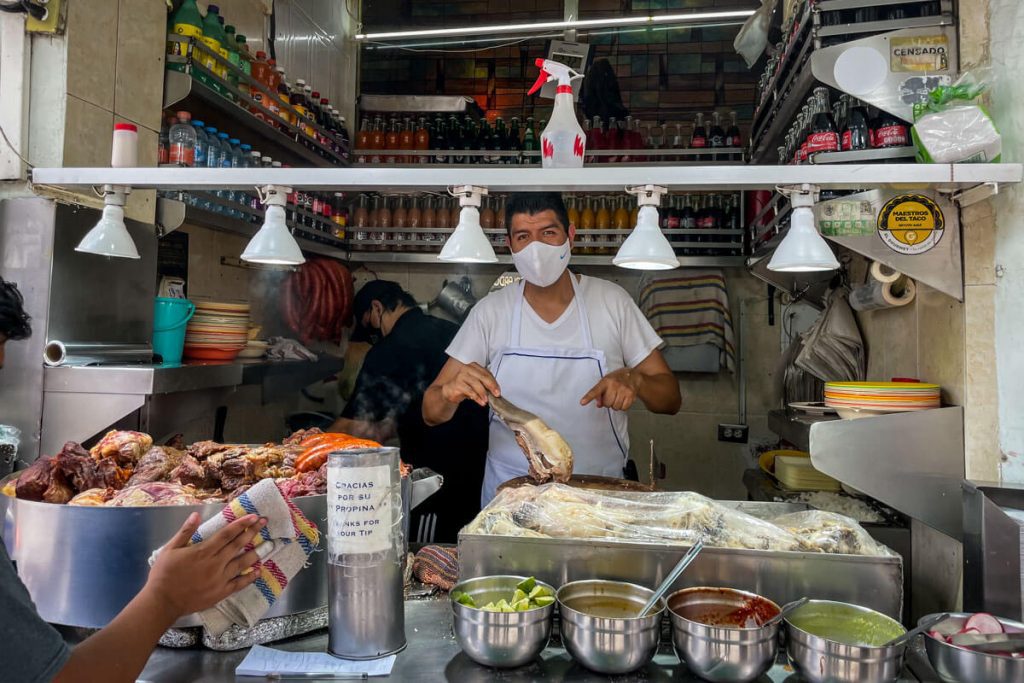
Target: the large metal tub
(82, 565)
(875, 582)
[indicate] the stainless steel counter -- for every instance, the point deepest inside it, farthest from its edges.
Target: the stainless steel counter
(434, 655)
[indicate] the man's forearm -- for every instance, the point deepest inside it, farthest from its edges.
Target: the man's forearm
(436, 410)
(660, 393)
(119, 651)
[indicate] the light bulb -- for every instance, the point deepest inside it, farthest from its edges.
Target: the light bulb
(110, 235)
(274, 244)
(803, 249)
(468, 243)
(646, 248)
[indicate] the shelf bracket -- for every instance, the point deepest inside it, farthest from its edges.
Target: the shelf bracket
(978, 193)
(170, 215)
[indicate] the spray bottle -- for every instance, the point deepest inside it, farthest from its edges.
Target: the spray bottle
(563, 141)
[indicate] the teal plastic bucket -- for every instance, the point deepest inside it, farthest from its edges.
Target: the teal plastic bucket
(170, 316)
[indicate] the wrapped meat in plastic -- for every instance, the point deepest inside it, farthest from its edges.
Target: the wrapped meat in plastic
(153, 494)
(124, 447)
(559, 511)
(93, 497)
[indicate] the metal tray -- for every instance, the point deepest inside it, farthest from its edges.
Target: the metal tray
(782, 576)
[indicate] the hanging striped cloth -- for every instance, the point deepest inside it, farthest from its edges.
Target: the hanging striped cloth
(691, 309)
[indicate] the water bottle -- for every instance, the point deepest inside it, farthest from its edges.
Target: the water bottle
(182, 141)
(202, 143)
(225, 162)
(213, 152)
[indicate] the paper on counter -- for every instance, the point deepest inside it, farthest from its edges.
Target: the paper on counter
(266, 660)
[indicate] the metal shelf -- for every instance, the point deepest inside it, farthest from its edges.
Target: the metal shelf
(183, 91)
(864, 155)
(505, 259)
(920, 477)
(596, 178)
(519, 157)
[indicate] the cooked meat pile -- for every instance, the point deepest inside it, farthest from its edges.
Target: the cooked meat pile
(125, 469)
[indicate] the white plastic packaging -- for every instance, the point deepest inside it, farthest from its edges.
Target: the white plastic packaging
(953, 127)
(124, 152)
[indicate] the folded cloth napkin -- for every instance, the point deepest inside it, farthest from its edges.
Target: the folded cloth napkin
(283, 348)
(437, 565)
(284, 546)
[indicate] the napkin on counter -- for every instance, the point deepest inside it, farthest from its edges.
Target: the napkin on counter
(283, 348)
(284, 545)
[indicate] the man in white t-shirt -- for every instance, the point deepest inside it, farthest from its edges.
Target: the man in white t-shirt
(574, 350)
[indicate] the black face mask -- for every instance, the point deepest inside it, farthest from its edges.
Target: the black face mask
(373, 337)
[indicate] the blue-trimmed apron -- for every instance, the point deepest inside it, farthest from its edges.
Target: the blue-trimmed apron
(550, 382)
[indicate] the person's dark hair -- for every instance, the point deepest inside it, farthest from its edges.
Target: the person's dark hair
(389, 294)
(601, 96)
(14, 321)
(535, 202)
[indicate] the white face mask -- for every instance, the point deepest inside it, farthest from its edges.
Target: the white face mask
(542, 264)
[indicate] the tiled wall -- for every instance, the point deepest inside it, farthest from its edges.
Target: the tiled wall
(107, 69)
(664, 75)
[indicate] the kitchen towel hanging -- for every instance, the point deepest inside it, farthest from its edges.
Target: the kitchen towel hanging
(57, 353)
(690, 310)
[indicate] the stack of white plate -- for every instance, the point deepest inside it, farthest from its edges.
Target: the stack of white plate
(217, 331)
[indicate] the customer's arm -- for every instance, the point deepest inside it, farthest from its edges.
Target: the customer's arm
(184, 579)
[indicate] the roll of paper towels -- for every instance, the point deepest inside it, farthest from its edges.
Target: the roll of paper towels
(876, 295)
(884, 273)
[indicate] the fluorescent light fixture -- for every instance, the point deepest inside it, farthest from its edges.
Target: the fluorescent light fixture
(468, 243)
(109, 237)
(274, 244)
(803, 249)
(647, 248)
(571, 24)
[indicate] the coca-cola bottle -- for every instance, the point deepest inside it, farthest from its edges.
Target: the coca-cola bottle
(823, 134)
(733, 138)
(699, 139)
(891, 131)
(857, 132)
(716, 136)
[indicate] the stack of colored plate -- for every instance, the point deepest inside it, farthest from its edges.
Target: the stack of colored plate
(863, 399)
(217, 331)
(797, 473)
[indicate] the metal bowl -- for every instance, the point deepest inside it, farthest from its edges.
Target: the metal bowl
(500, 639)
(820, 660)
(722, 653)
(606, 644)
(961, 665)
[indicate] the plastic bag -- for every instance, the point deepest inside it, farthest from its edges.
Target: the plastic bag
(752, 38)
(951, 127)
(559, 511)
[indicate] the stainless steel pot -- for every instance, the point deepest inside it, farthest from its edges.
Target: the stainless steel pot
(609, 645)
(961, 665)
(721, 653)
(500, 639)
(820, 660)
(82, 565)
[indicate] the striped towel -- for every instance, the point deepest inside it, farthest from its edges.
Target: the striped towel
(437, 565)
(691, 309)
(284, 546)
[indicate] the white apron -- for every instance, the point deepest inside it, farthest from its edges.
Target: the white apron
(550, 382)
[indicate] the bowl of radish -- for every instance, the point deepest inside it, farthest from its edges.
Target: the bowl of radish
(962, 663)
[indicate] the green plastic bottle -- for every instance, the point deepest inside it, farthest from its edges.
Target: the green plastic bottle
(231, 43)
(213, 41)
(244, 61)
(187, 22)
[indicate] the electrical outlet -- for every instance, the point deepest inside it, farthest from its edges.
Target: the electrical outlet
(733, 433)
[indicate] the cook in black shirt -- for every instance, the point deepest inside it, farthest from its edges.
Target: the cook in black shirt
(408, 352)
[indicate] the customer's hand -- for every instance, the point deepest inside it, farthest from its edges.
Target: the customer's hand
(190, 578)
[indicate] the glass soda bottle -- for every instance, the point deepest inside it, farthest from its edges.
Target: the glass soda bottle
(699, 138)
(823, 136)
